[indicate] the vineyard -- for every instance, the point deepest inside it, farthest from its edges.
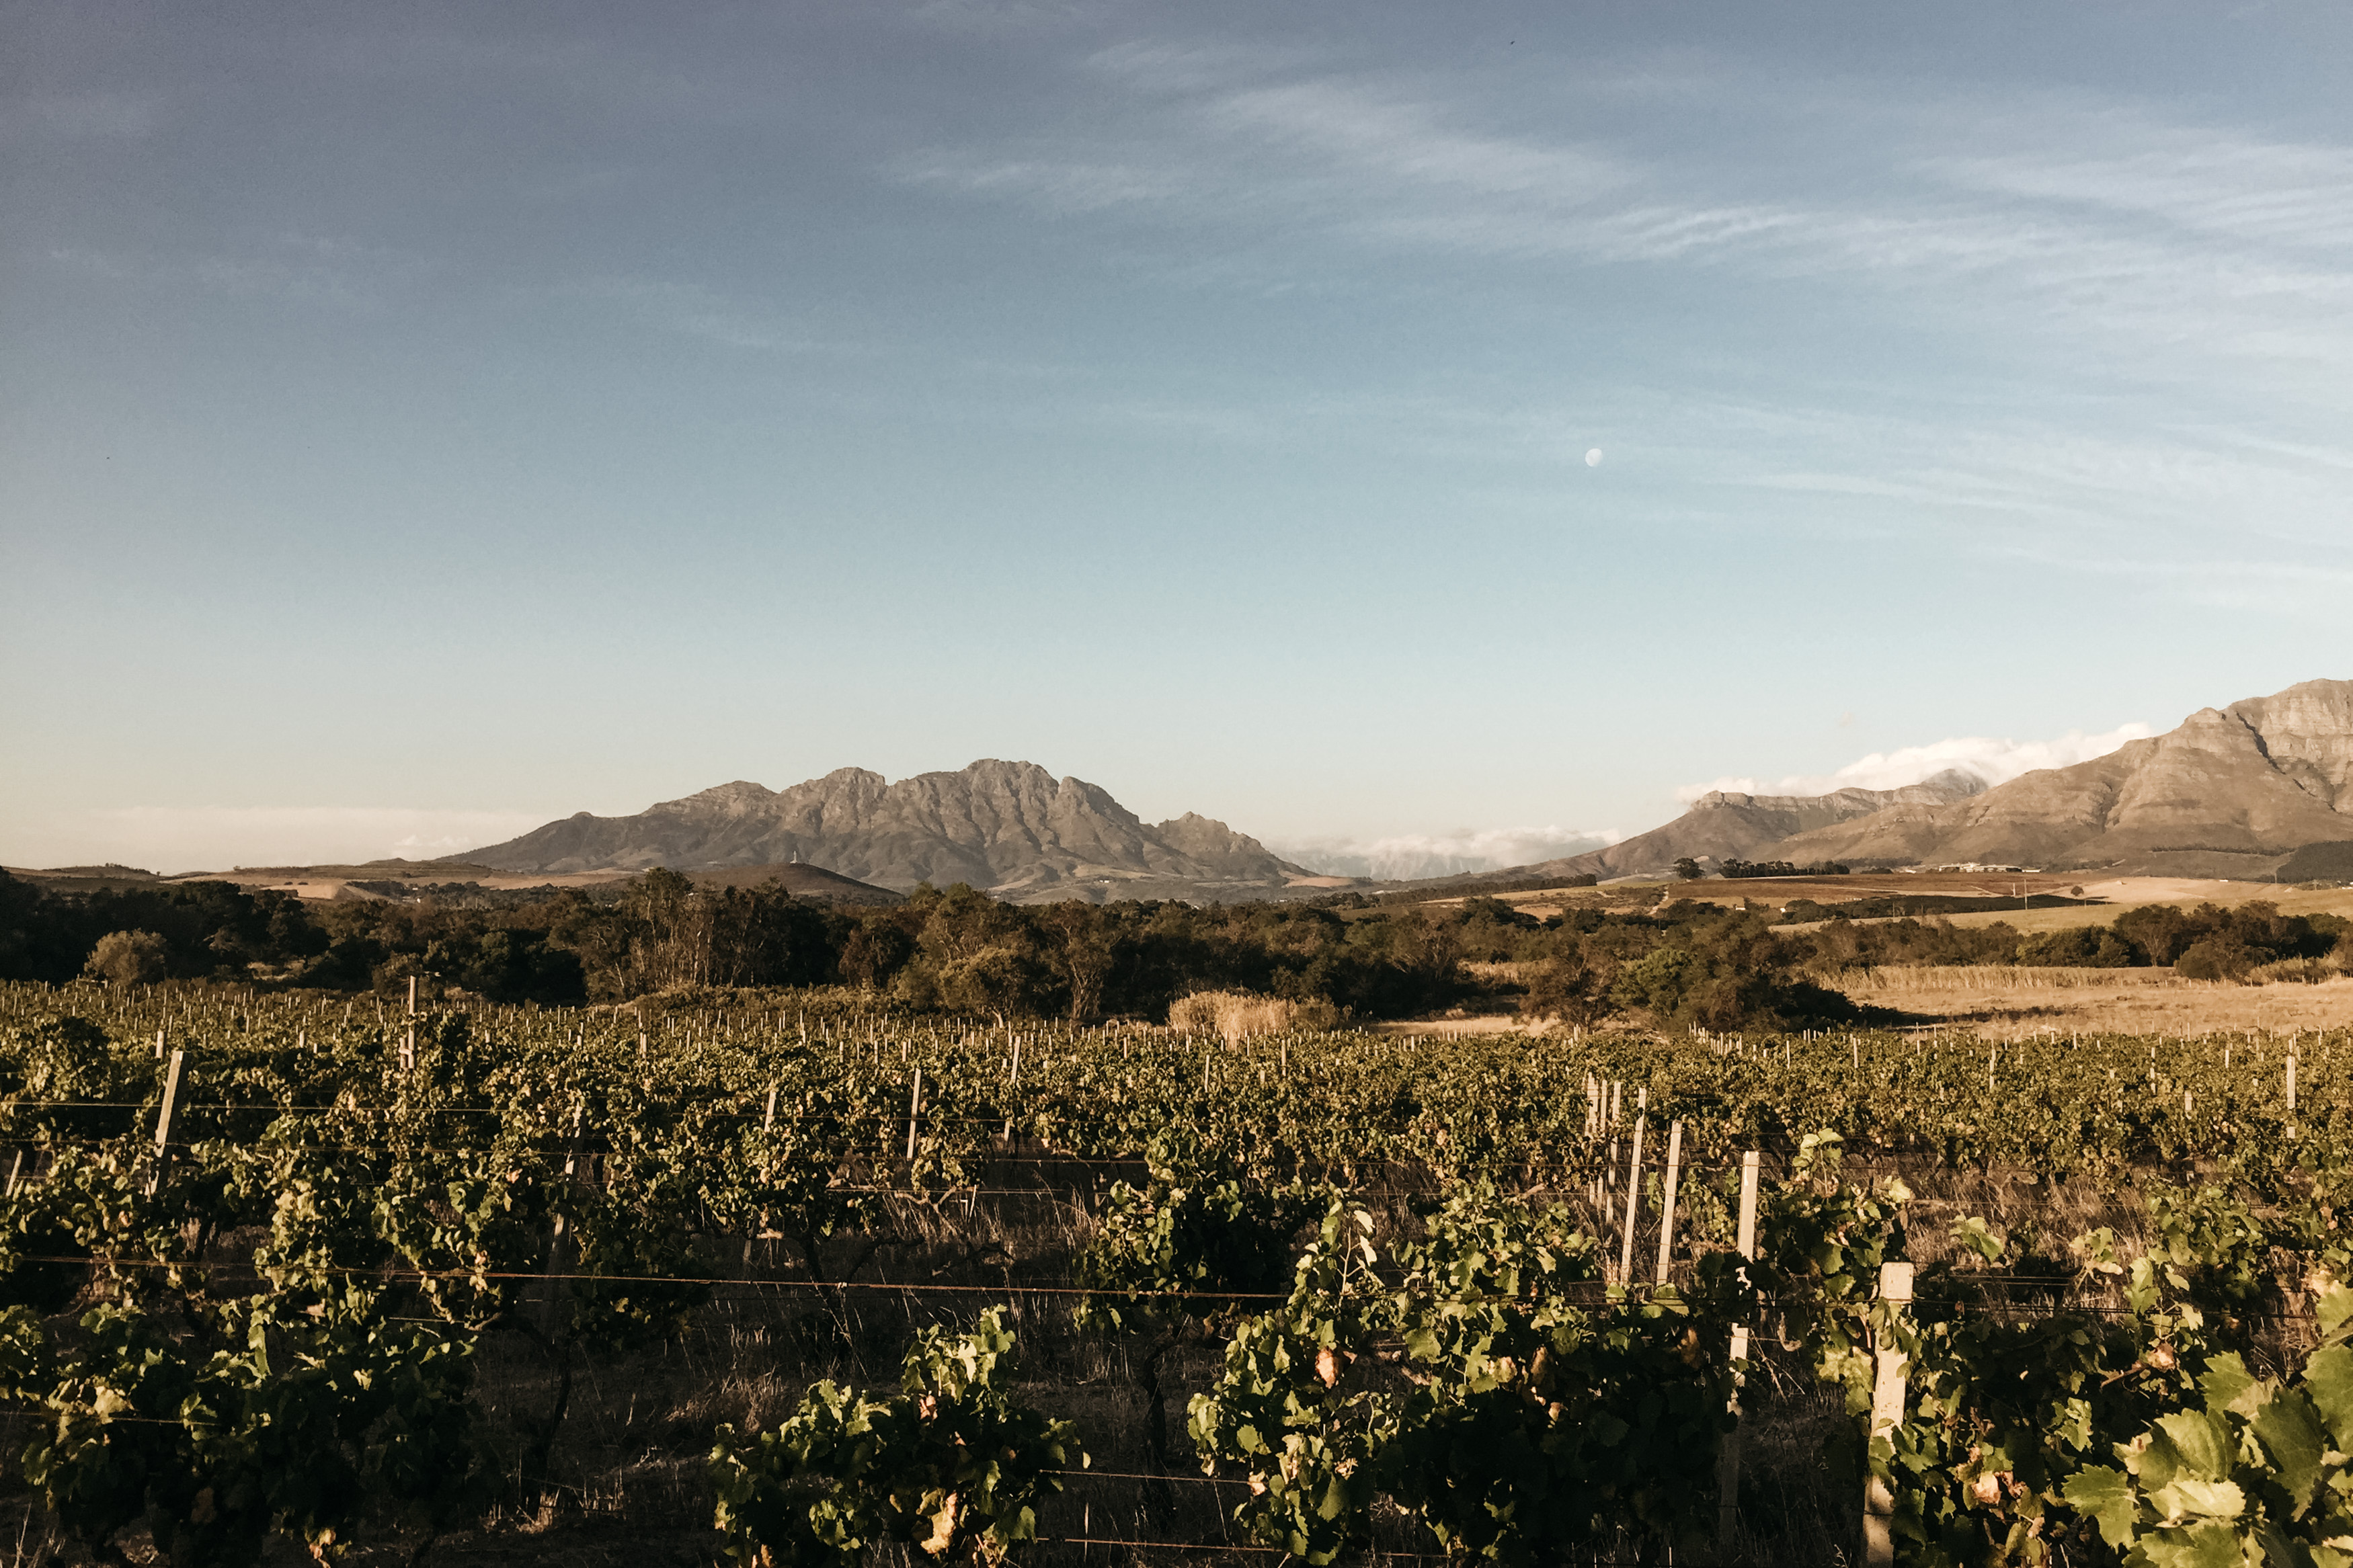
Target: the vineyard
(783, 1277)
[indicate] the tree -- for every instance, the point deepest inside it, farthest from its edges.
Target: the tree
(1571, 985)
(1688, 869)
(129, 958)
(876, 950)
(1086, 955)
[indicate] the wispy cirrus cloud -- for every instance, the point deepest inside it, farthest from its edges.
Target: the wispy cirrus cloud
(2203, 179)
(290, 264)
(2091, 216)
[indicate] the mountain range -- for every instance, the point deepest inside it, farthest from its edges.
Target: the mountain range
(2233, 792)
(1723, 824)
(1009, 827)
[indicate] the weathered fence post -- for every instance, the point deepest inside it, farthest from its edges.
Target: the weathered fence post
(1727, 1464)
(1633, 1201)
(767, 1133)
(558, 1231)
(165, 1116)
(408, 1031)
(1012, 1082)
(1667, 1196)
(915, 1108)
(1886, 1415)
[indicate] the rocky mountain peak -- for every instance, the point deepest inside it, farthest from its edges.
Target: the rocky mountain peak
(2230, 791)
(1008, 826)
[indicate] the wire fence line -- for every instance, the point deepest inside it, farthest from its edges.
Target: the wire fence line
(1573, 1293)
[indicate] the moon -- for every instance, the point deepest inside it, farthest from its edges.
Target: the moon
(1593, 459)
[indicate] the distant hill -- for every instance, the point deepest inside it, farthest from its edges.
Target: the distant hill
(2233, 792)
(814, 883)
(1009, 827)
(1725, 826)
(2318, 863)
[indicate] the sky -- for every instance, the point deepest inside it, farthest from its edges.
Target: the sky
(1416, 434)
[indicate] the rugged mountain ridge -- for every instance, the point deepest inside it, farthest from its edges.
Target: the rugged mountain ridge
(2232, 791)
(1724, 825)
(1010, 827)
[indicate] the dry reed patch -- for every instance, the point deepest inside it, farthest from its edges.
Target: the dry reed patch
(1233, 1015)
(2010, 1004)
(1469, 1024)
(2004, 977)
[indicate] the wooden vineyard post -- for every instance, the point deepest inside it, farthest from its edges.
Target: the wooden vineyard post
(159, 1045)
(16, 1172)
(1593, 1135)
(1728, 1462)
(1633, 1201)
(558, 1231)
(2290, 1080)
(915, 1108)
(1667, 1197)
(167, 1115)
(768, 1134)
(1012, 1082)
(409, 1038)
(1886, 1415)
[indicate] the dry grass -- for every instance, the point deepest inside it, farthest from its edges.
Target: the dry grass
(2002, 1001)
(1233, 1015)
(1869, 985)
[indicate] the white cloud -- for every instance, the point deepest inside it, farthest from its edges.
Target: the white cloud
(1993, 761)
(1410, 855)
(170, 839)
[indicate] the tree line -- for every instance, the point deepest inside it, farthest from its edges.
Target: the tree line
(954, 948)
(1691, 964)
(1681, 964)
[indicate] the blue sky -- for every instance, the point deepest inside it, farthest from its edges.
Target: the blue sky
(423, 421)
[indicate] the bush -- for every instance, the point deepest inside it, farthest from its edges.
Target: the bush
(2078, 947)
(1568, 986)
(996, 980)
(129, 958)
(2216, 958)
